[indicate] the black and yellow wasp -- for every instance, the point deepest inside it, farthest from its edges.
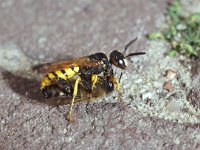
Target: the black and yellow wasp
(84, 72)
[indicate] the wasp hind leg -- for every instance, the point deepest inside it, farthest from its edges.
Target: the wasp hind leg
(46, 92)
(66, 86)
(73, 97)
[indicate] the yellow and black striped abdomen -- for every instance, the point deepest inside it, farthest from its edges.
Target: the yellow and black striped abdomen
(65, 74)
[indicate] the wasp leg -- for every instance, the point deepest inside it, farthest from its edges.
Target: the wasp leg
(74, 95)
(89, 85)
(86, 85)
(46, 92)
(66, 86)
(94, 80)
(115, 81)
(109, 85)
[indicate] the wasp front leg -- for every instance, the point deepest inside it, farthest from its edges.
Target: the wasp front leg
(108, 85)
(116, 82)
(117, 86)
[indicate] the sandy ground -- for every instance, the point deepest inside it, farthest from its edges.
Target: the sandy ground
(161, 93)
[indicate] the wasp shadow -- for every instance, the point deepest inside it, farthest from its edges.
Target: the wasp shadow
(25, 87)
(30, 88)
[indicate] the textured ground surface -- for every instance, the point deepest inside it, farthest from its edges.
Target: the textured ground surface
(161, 109)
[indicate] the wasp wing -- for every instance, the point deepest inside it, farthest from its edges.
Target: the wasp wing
(78, 62)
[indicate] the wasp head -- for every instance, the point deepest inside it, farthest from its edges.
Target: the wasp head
(119, 60)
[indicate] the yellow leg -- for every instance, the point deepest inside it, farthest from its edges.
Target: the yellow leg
(116, 82)
(94, 80)
(74, 95)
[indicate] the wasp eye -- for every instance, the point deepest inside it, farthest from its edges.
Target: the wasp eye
(121, 61)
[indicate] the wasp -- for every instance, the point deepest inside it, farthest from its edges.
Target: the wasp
(86, 73)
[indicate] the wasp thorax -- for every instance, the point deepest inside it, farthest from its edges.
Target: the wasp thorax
(118, 59)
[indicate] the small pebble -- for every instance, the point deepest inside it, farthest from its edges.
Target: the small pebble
(170, 74)
(168, 86)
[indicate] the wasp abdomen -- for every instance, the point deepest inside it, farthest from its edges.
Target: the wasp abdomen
(52, 77)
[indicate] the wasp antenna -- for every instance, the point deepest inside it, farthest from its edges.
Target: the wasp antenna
(120, 76)
(129, 44)
(136, 53)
